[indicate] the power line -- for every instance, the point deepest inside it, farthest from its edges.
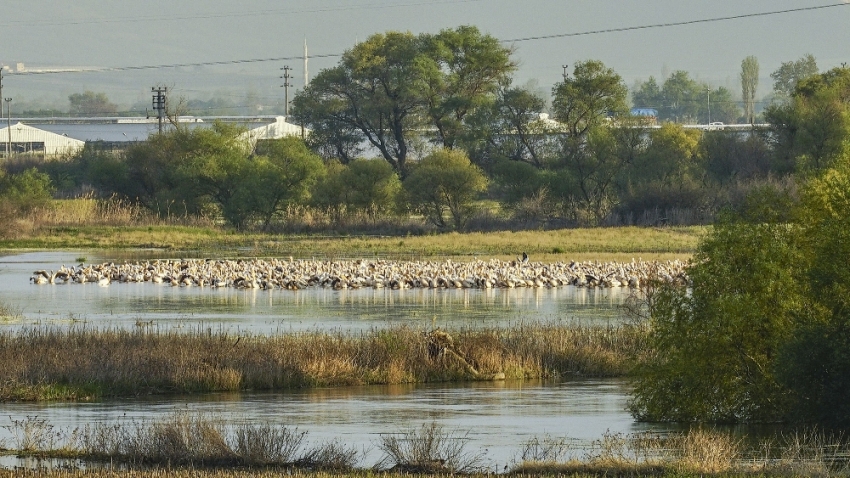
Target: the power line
(514, 40)
(674, 24)
(172, 65)
(254, 13)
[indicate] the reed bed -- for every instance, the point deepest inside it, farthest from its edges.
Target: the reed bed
(195, 445)
(81, 364)
(697, 452)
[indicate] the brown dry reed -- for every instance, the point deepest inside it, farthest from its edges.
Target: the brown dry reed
(697, 452)
(430, 448)
(81, 364)
(181, 439)
(195, 445)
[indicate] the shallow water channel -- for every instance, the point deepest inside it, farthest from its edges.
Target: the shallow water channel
(495, 417)
(263, 312)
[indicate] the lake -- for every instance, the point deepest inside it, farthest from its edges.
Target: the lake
(495, 417)
(124, 305)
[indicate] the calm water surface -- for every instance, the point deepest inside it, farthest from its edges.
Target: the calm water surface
(257, 311)
(498, 416)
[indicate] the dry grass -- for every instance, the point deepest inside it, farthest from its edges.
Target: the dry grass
(201, 446)
(694, 453)
(697, 451)
(80, 364)
(429, 449)
(90, 223)
(181, 440)
(9, 313)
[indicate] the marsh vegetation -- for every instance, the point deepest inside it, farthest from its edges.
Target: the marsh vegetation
(202, 445)
(81, 364)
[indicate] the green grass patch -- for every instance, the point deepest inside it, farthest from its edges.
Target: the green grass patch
(618, 243)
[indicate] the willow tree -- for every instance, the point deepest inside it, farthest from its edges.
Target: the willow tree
(589, 158)
(396, 88)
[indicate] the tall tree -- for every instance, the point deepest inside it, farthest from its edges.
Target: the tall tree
(586, 99)
(471, 66)
(584, 105)
(683, 98)
(789, 73)
(396, 87)
(810, 131)
(749, 84)
(90, 103)
(648, 94)
(718, 105)
(512, 128)
(376, 90)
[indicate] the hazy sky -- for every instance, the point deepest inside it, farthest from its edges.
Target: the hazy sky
(133, 33)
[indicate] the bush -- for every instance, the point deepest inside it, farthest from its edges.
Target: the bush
(715, 346)
(445, 181)
(20, 195)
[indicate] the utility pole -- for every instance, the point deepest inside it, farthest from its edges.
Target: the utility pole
(9, 125)
(708, 92)
(286, 76)
(565, 72)
(306, 73)
(1, 104)
(159, 102)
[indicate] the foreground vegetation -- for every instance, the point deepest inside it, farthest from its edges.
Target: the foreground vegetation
(194, 445)
(762, 334)
(82, 364)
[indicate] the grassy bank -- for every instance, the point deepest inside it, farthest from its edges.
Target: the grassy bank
(81, 364)
(89, 223)
(619, 243)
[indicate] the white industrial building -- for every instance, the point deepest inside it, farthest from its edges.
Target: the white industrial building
(28, 140)
(118, 133)
(277, 129)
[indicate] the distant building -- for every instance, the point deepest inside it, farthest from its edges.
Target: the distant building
(278, 129)
(28, 140)
(120, 133)
(647, 116)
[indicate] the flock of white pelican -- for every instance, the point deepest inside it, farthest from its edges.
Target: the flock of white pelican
(293, 274)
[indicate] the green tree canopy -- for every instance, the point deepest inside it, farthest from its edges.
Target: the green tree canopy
(683, 97)
(811, 130)
(281, 174)
(589, 157)
(714, 348)
(584, 100)
(789, 73)
(90, 103)
(368, 186)
(762, 335)
(388, 90)
(512, 128)
(445, 182)
(24, 192)
(167, 172)
(648, 94)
